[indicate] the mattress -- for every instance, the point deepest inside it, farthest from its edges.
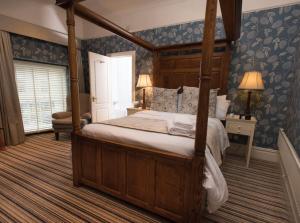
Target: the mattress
(214, 182)
(176, 144)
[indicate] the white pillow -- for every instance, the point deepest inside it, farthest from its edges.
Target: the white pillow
(222, 107)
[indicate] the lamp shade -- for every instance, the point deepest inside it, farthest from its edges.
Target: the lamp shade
(252, 80)
(144, 81)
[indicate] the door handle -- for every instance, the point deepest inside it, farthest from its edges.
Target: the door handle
(94, 99)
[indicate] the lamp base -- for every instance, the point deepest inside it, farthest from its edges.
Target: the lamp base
(144, 99)
(248, 111)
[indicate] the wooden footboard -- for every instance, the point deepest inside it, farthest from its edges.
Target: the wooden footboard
(155, 180)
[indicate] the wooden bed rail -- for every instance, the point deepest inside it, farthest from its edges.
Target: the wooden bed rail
(99, 20)
(91, 16)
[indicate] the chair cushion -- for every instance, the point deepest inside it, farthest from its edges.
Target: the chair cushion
(67, 121)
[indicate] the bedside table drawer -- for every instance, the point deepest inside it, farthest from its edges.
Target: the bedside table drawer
(237, 128)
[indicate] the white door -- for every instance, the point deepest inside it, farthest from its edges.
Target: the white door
(99, 86)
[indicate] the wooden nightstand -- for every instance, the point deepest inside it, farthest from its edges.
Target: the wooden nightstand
(131, 111)
(238, 126)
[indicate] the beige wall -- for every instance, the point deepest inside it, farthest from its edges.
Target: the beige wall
(27, 29)
(12, 25)
(43, 13)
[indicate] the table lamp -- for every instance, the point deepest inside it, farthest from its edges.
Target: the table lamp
(143, 82)
(252, 80)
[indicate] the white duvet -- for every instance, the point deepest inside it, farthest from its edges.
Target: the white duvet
(214, 183)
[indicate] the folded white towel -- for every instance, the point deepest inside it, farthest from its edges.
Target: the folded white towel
(175, 130)
(185, 121)
(182, 132)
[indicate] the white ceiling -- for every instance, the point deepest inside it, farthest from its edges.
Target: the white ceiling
(117, 7)
(138, 15)
(133, 15)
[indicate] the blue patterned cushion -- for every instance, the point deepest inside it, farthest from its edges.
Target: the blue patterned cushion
(164, 100)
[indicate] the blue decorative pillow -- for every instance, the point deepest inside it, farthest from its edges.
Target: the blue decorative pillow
(164, 99)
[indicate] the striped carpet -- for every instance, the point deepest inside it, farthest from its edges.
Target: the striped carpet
(36, 186)
(256, 194)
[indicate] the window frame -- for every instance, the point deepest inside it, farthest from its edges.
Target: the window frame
(65, 90)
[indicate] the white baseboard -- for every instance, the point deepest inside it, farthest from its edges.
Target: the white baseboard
(260, 153)
(290, 165)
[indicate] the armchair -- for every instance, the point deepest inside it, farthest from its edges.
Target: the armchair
(62, 121)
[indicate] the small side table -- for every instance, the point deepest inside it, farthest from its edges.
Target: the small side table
(234, 125)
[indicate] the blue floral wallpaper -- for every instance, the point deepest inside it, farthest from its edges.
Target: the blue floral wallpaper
(293, 119)
(26, 48)
(268, 43)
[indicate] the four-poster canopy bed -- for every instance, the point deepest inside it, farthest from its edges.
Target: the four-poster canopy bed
(163, 182)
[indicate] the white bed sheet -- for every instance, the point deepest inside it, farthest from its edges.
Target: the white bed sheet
(214, 183)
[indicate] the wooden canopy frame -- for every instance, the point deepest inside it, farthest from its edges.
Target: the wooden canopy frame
(87, 153)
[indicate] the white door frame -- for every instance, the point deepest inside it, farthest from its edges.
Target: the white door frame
(133, 54)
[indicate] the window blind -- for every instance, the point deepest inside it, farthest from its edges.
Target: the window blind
(42, 90)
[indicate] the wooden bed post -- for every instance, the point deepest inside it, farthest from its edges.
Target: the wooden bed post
(73, 68)
(74, 91)
(202, 114)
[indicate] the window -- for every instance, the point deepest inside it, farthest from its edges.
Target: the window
(42, 90)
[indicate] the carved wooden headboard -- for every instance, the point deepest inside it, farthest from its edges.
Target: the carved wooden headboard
(184, 70)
